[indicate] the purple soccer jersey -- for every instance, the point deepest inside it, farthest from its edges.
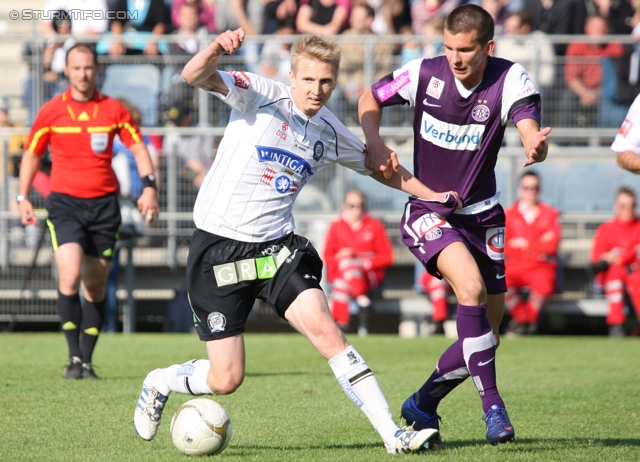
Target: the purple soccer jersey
(457, 137)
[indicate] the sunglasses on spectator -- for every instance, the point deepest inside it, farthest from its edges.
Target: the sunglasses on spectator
(530, 188)
(355, 206)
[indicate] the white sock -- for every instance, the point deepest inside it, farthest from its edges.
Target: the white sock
(189, 378)
(361, 386)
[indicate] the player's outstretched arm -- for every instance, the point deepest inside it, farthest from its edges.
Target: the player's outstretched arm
(629, 160)
(534, 140)
(403, 180)
(379, 157)
(202, 70)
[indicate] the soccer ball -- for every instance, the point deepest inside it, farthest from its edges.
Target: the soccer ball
(201, 426)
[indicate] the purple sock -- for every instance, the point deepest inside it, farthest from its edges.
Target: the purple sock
(454, 367)
(450, 372)
(479, 351)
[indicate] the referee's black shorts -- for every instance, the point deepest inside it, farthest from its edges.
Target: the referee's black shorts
(225, 277)
(93, 223)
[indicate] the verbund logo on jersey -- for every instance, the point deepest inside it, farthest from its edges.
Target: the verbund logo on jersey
(286, 158)
(451, 136)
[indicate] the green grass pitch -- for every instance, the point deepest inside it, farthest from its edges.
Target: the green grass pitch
(569, 398)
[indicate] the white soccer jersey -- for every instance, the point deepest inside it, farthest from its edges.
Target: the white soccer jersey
(269, 151)
(628, 137)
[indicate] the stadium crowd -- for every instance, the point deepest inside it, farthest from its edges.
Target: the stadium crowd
(596, 79)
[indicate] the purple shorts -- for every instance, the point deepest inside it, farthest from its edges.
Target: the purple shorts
(427, 234)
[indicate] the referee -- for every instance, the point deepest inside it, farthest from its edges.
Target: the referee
(83, 212)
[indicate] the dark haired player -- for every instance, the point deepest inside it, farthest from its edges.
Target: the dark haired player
(84, 216)
(462, 102)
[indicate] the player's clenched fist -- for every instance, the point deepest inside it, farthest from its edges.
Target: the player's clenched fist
(229, 41)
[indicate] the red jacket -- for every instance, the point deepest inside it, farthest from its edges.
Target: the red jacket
(615, 234)
(547, 223)
(370, 242)
(583, 62)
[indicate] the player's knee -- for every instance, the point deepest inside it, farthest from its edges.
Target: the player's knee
(94, 292)
(69, 282)
(472, 292)
(224, 384)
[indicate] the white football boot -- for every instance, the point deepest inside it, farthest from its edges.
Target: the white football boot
(413, 442)
(149, 410)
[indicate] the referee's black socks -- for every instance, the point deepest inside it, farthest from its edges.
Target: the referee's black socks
(70, 312)
(92, 319)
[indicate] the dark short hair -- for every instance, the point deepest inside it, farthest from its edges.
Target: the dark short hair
(523, 16)
(626, 190)
(371, 13)
(85, 48)
(60, 17)
(532, 173)
(471, 18)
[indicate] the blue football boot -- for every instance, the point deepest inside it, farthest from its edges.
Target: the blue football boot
(420, 420)
(499, 428)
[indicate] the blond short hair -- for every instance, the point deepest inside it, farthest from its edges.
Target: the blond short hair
(317, 47)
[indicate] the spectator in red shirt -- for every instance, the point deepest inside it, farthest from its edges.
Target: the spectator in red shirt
(583, 72)
(357, 251)
(437, 291)
(79, 127)
(616, 260)
(532, 237)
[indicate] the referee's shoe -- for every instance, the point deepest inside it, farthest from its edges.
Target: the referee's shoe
(73, 368)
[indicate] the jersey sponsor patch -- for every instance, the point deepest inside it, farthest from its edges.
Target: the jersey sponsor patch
(495, 243)
(251, 269)
(289, 160)
(99, 142)
(526, 91)
(241, 79)
(387, 91)
(625, 127)
(435, 87)
(427, 225)
(527, 85)
(267, 176)
(451, 136)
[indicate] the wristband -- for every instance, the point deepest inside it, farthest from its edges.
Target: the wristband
(149, 181)
(21, 197)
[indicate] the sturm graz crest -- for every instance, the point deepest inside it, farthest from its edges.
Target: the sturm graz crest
(318, 150)
(216, 321)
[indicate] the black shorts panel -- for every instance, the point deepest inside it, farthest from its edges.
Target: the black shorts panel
(225, 277)
(92, 223)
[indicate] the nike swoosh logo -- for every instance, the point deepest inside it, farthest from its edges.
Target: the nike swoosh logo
(486, 362)
(500, 276)
(429, 104)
